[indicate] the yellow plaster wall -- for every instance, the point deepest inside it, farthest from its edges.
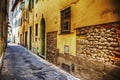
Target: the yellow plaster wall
(83, 13)
(91, 12)
(51, 13)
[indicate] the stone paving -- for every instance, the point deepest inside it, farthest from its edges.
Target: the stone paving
(21, 64)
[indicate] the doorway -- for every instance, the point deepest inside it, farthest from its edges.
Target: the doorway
(26, 39)
(42, 37)
(23, 43)
(30, 38)
(20, 39)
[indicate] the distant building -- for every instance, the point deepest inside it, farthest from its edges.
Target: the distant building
(11, 3)
(16, 18)
(10, 36)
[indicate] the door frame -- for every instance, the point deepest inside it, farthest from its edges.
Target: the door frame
(42, 38)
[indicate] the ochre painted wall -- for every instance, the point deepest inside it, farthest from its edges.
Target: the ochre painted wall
(91, 12)
(83, 13)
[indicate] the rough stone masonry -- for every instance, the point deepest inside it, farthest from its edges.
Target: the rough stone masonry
(95, 51)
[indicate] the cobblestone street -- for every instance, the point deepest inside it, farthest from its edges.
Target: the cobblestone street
(21, 64)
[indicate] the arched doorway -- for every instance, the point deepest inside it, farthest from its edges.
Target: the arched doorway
(42, 37)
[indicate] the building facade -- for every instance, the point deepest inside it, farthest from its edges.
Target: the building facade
(16, 11)
(9, 36)
(3, 27)
(79, 36)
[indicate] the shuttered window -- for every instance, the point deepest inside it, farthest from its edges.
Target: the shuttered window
(65, 20)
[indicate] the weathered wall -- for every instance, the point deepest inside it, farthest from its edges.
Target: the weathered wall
(95, 51)
(91, 45)
(90, 12)
(52, 52)
(83, 13)
(31, 24)
(3, 28)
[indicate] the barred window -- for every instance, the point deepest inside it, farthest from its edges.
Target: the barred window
(36, 1)
(31, 4)
(65, 20)
(36, 29)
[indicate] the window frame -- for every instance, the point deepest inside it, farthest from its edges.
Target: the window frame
(66, 21)
(37, 1)
(36, 29)
(31, 4)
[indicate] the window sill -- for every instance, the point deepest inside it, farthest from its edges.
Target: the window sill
(65, 33)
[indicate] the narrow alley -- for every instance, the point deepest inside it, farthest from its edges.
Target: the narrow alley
(60, 40)
(21, 64)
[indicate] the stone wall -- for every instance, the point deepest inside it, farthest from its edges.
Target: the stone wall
(95, 48)
(52, 51)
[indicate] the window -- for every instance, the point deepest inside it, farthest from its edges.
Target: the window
(31, 4)
(21, 21)
(36, 1)
(65, 20)
(66, 67)
(18, 34)
(27, 14)
(36, 29)
(73, 67)
(23, 16)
